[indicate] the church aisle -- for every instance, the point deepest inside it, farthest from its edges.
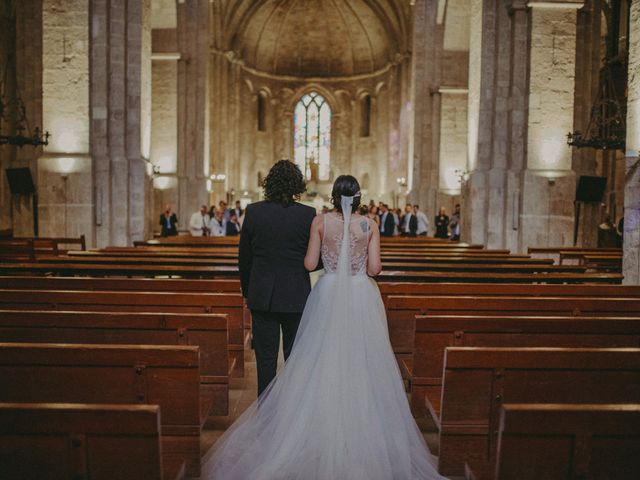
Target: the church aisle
(242, 392)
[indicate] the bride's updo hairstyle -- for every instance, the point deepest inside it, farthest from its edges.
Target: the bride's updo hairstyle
(345, 185)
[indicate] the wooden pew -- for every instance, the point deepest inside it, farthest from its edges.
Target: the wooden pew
(208, 332)
(107, 270)
(127, 301)
(488, 277)
(433, 334)
(132, 284)
(402, 310)
(484, 268)
(189, 241)
(504, 289)
(115, 374)
(68, 441)
(95, 259)
(560, 441)
(17, 250)
(121, 284)
(477, 381)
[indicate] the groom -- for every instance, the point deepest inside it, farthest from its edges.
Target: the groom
(273, 244)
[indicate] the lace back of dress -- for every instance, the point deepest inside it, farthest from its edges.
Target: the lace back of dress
(344, 243)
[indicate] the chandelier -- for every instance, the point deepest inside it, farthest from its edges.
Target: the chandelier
(607, 124)
(23, 135)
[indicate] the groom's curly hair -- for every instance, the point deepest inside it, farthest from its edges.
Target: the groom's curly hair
(284, 184)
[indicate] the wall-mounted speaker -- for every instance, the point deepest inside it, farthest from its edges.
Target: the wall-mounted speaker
(590, 189)
(20, 181)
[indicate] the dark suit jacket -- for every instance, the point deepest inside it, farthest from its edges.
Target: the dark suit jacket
(389, 225)
(273, 244)
(413, 226)
(168, 231)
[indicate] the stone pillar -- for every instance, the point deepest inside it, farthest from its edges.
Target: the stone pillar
(549, 180)
(480, 119)
(21, 67)
(65, 168)
(117, 53)
(631, 262)
(164, 119)
(423, 168)
(193, 78)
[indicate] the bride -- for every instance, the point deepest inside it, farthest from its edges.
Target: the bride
(337, 410)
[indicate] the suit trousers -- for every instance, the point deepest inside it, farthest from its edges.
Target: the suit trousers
(266, 341)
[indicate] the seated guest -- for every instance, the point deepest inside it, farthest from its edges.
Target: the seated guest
(168, 223)
(387, 223)
(217, 224)
(233, 227)
(410, 222)
(442, 223)
(423, 221)
(199, 225)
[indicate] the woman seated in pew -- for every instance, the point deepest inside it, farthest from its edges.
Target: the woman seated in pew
(338, 409)
(232, 228)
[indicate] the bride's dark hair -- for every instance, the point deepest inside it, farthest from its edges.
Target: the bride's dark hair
(345, 185)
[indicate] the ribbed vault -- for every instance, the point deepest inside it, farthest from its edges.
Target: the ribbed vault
(315, 38)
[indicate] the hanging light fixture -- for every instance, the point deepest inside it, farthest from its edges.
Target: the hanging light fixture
(14, 107)
(607, 124)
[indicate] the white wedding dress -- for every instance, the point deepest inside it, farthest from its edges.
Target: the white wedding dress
(337, 410)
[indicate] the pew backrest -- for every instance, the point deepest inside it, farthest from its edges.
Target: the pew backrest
(478, 381)
(65, 441)
(560, 441)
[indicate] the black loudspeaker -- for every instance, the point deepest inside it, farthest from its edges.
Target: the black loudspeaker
(590, 189)
(20, 181)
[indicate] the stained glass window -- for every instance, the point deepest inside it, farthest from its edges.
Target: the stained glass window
(312, 136)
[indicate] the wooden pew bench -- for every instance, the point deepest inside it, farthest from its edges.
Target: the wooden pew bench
(401, 310)
(560, 441)
(478, 381)
(208, 332)
(62, 441)
(128, 301)
(504, 289)
(389, 275)
(96, 259)
(113, 374)
(433, 334)
(110, 270)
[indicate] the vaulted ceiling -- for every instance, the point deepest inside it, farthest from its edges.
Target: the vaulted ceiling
(314, 38)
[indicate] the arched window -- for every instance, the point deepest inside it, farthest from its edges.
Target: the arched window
(312, 136)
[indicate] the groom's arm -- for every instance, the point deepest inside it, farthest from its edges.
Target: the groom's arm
(245, 253)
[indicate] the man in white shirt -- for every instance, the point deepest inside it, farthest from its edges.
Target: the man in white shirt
(217, 224)
(199, 225)
(423, 221)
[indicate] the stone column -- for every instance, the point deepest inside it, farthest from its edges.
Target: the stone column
(631, 262)
(117, 53)
(423, 168)
(549, 180)
(65, 168)
(193, 78)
